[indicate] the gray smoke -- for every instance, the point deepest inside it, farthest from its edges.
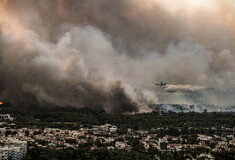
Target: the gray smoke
(108, 53)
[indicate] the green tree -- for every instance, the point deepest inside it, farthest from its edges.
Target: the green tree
(26, 133)
(8, 132)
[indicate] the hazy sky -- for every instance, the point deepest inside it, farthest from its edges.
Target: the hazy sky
(109, 53)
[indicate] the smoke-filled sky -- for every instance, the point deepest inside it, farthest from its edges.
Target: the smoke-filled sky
(109, 53)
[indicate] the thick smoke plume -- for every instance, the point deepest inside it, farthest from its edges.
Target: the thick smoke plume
(109, 53)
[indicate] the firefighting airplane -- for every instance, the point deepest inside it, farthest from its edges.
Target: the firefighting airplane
(161, 84)
(178, 88)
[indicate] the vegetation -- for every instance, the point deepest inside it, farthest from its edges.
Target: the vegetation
(84, 153)
(188, 125)
(73, 118)
(48, 153)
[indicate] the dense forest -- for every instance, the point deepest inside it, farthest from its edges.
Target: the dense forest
(73, 118)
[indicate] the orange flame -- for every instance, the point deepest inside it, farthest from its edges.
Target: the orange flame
(1, 103)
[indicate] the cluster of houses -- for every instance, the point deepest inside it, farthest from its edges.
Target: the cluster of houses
(6, 117)
(14, 140)
(12, 148)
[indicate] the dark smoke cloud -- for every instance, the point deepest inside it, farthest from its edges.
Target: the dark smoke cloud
(141, 26)
(108, 53)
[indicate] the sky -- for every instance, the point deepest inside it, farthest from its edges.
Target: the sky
(109, 54)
